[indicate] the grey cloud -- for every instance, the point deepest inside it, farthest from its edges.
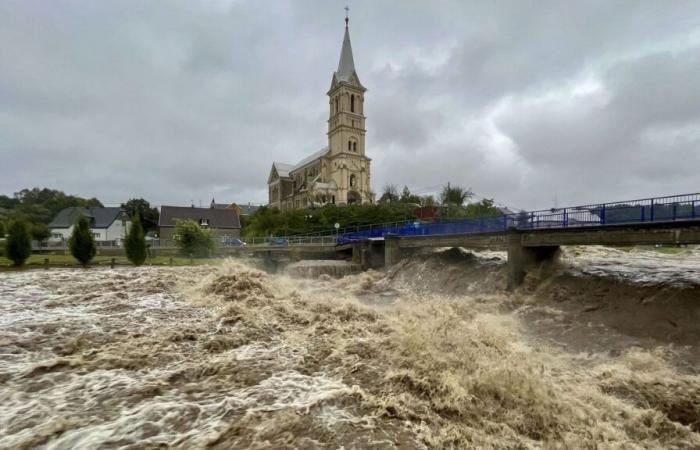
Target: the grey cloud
(196, 99)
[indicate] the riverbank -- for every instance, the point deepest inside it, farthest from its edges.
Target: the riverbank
(54, 261)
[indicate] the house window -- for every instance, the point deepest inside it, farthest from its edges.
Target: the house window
(57, 236)
(96, 235)
(204, 222)
(352, 103)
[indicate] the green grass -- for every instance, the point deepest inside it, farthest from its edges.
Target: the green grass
(37, 261)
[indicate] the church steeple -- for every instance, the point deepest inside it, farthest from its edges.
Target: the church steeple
(346, 119)
(346, 65)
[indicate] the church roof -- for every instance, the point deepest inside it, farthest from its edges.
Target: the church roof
(311, 158)
(346, 65)
(283, 169)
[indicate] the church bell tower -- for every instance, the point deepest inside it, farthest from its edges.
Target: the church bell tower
(346, 129)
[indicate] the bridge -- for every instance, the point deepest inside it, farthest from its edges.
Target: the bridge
(531, 238)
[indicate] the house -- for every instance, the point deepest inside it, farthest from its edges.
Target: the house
(223, 222)
(245, 210)
(221, 205)
(241, 210)
(339, 173)
(106, 224)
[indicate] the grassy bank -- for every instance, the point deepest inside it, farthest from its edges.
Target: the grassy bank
(37, 261)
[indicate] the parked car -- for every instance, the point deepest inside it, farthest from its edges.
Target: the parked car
(232, 242)
(279, 242)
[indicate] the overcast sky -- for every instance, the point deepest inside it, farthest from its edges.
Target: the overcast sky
(182, 100)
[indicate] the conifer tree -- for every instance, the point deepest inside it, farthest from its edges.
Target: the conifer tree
(81, 242)
(135, 243)
(19, 243)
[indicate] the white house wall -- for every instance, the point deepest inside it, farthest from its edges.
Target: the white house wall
(116, 231)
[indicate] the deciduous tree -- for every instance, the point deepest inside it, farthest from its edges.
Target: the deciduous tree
(193, 240)
(147, 215)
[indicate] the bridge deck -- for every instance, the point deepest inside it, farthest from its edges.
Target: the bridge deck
(678, 232)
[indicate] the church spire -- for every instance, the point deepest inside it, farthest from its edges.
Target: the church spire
(346, 65)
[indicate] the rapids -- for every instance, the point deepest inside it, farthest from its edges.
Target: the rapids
(599, 351)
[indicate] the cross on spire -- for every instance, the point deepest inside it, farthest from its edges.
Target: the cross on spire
(347, 12)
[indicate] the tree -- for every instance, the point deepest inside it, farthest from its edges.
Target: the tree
(135, 243)
(455, 195)
(428, 200)
(193, 240)
(41, 232)
(408, 198)
(81, 242)
(484, 208)
(389, 195)
(8, 202)
(148, 216)
(40, 205)
(19, 243)
(2, 230)
(266, 221)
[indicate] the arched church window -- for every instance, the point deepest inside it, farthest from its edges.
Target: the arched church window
(352, 103)
(354, 146)
(349, 145)
(336, 104)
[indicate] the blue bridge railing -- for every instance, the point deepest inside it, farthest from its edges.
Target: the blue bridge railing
(659, 209)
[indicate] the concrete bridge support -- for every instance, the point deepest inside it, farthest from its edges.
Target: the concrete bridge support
(521, 258)
(368, 253)
(392, 250)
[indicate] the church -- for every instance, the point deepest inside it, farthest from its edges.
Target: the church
(340, 172)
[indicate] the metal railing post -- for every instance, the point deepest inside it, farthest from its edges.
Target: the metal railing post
(651, 213)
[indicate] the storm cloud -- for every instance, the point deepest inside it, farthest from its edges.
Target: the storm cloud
(183, 101)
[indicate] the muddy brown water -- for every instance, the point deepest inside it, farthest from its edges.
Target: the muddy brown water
(600, 351)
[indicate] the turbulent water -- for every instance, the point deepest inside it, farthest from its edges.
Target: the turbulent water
(599, 351)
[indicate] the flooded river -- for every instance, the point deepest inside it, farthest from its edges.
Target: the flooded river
(599, 351)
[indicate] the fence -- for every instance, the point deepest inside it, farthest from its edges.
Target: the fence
(219, 242)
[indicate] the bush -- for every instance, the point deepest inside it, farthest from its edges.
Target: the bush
(192, 240)
(135, 243)
(19, 243)
(81, 242)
